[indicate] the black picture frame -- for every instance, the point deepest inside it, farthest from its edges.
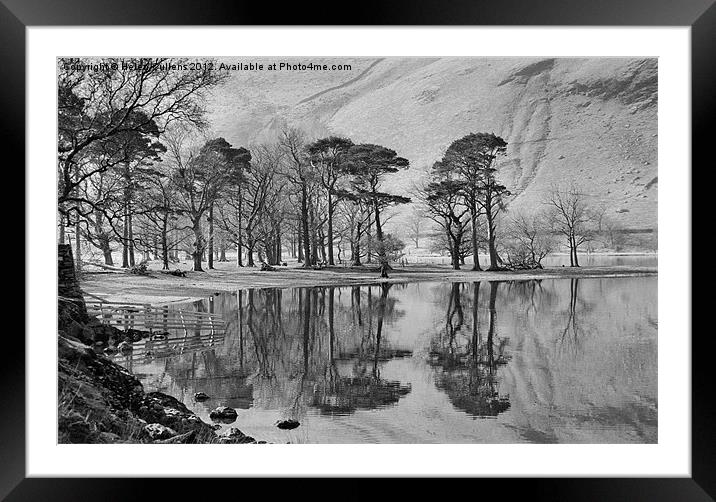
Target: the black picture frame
(700, 15)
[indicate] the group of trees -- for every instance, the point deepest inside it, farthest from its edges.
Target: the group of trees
(111, 117)
(466, 202)
(463, 195)
(139, 170)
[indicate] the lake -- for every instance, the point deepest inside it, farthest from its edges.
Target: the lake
(549, 361)
(562, 259)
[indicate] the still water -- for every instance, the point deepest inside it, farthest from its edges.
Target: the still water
(604, 260)
(550, 361)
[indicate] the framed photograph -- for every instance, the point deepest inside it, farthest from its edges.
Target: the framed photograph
(446, 241)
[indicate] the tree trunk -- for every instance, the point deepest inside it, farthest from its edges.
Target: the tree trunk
(379, 232)
(198, 245)
(494, 261)
(455, 252)
(304, 224)
(250, 253)
(210, 251)
(314, 238)
(300, 247)
(314, 249)
(106, 251)
(222, 254)
(175, 246)
(279, 251)
(131, 240)
(369, 233)
(475, 247)
(125, 239)
(576, 259)
(165, 246)
(330, 230)
(78, 249)
(355, 248)
(321, 245)
(239, 244)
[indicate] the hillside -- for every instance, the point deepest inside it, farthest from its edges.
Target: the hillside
(593, 121)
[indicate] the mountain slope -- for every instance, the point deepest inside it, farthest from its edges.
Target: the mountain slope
(591, 121)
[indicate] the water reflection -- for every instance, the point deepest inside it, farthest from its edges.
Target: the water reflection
(538, 361)
(335, 394)
(468, 371)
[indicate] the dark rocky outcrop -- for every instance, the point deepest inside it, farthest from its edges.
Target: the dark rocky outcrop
(101, 402)
(98, 400)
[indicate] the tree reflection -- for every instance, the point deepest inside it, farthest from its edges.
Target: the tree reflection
(532, 297)
(296, 349)
(466, 364)
(571, 334)
(340, 395)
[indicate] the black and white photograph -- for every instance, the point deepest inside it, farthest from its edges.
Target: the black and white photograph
(410, 250)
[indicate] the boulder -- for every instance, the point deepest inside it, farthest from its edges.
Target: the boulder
(201, 396)
(287, 424)
(234, 436)
(159, 431)
(223, 414)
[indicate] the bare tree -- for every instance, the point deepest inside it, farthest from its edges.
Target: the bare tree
(299, 172)
(355, 215)
(608, 228)
(570, 217)
(97, 103)
(415, 227)
(530, 239)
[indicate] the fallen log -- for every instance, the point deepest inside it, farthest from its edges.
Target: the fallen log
(106, 267)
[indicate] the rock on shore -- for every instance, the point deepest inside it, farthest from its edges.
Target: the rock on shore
(101, 402)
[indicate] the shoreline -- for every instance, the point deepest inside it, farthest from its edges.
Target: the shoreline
(226, 277)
